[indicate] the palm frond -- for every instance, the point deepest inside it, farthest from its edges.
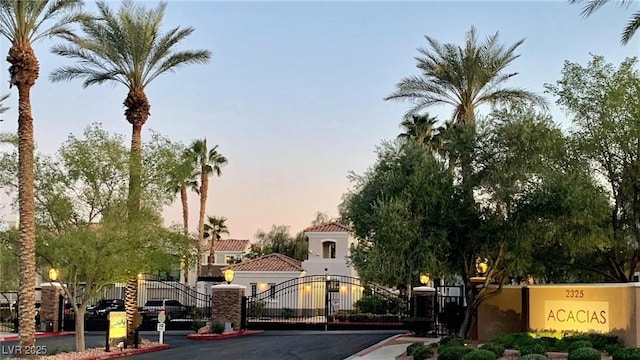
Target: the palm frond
(28, 21)
(632, 26)
(126, 46)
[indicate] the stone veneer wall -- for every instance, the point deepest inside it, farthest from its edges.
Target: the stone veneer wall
(227, 304)
(50, 301)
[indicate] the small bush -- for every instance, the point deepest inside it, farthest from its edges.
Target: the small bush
(514, 341)
(534, 357)
(452, 340)
(611, 349)
(196, 325)
(217, 327)
(533, 348)
(579, 344)
(627, 354)
(453, 352)
(554, 343)
(419, 351)
(479, 355)
(584, 353)
(495, 348)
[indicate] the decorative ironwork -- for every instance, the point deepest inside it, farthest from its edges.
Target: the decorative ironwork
(321, 301)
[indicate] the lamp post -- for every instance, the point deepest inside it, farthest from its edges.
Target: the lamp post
(53, 275)
(229, 275)
(424, 279)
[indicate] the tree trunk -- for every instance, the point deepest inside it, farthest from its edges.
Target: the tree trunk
(135, 169)
(130, 307)
(204, 189)
(185, 224)
(80, 346)
(27, 225)
(469, 320)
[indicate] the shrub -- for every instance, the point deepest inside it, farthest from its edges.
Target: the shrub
(533, 348)
(553, 343)
(453, 352)
(579, 344)
(534, 357)
(217, 327)
(611, 349)
(418, 326)
(286, 313)
(495, 348)
(419, 351)
(514, 341)
(627, 354)
(452, 340)
(196, 325)
(479, 355)
(378, 304)
(584, 353)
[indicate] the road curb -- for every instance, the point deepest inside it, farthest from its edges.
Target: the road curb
(127, 352)
(39, 335)
(377, 346)
(222, 336)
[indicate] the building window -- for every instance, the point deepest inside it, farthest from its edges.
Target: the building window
(272, 290)
(329, 250)
(229, 259)
(254, 289)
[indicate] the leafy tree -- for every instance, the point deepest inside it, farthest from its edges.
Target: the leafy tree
(9, 244)
(279, 240)
(207, 162)
(396, 210)
(24, 23)
(605, 105)
(633, 24)
(6, 137)
(80, 203)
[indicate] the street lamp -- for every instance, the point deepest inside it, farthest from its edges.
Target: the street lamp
(229, 275)
(482, 265)
(53, 274)
(424, 279)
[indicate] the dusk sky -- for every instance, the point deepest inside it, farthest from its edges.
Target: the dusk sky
(294, 92)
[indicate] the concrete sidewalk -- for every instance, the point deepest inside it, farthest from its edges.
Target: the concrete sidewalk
(390, 348)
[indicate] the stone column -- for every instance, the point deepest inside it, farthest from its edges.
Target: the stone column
(423, 305)
(50, 319)
(226, 302)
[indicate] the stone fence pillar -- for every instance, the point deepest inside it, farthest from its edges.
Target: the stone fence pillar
(226, 302)
(51, 306)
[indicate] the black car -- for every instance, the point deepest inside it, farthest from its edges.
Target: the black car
(102, 308)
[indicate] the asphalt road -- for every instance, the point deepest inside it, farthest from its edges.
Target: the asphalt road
(276, 345)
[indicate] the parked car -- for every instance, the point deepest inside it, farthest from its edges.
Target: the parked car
(172, 309)
(103, 307)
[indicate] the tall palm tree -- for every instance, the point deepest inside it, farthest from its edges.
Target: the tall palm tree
(127, 47)
(209, 162)
(420, 128)
(24, 23)
(183, 177)
(465, 78)
(215, 226)
(632, 25)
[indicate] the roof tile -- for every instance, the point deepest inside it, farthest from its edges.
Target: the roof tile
(229, 245)
(328, 227)
(270, 262)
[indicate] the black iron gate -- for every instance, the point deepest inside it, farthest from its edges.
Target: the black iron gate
(323, 302)
(450, 308)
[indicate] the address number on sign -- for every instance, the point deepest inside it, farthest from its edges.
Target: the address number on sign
(161, 326)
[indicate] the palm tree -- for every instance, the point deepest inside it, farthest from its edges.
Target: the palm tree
(465, 78)
(183, 177)
(420, 128)
(24, 23)
(215, 226)
(127, 47)
(209, 162)
(632, 25)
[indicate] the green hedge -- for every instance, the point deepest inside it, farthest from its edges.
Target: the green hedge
(584, 353)
(479, 355)
(453, 352)
(495, 348)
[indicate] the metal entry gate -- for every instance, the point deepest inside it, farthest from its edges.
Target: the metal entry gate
(323, 302)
